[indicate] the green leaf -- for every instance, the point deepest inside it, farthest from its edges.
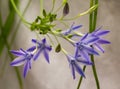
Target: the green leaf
(6, 29)
(58, 48)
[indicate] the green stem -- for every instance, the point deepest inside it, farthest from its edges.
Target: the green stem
(18, 24)
(92, 25)
(11, 57)
(95, 72)
(41, 8)
(18, 12)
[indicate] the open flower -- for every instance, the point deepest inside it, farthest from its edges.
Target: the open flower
(72, 28)
(24, 58)
(99, 33)
(83, 47)
(74, 64)
(40, 47)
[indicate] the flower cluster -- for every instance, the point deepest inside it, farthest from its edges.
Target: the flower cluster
(88, 44)
(27, 56)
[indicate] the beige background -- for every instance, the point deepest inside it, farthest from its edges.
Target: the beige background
(57, 75)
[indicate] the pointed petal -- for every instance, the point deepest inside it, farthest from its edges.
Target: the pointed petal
(49, 48)
(73, 71)
(17, 53)
(30, 64)
(34, 40)
(37, 54)
(46, 55)
(76, 52)
(101, 32)
(18, 61)
(22, 50)
(91, 40)
(102, 41)
(84, 37)
(76, 27)
(85, 55)
(90, 50)
(79, 70)
(44, 40)
(26, 68)
(98, 47)
(31, 49)
(85, 62)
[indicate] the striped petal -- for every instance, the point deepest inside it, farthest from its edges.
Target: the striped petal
(18, 61)
(91, 40)
(26, 68)
(31, 49)
(46, 55)
(73, 71)
(98, 47)
(90, 50)
(101, 32)
(84, 37)
(85, 55)
(37, 54)
(102, 41)
(17, 53)
(79, 70)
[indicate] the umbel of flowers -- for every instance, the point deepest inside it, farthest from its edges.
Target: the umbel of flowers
(88, 44)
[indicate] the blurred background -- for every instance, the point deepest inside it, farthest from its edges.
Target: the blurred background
(56, 75)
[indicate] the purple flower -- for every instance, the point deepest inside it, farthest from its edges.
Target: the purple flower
(99, 33)
(40, 47)
(83, 47)
(24, 58)
(74, 64)
(68, 31)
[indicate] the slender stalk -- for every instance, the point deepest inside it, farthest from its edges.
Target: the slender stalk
(41, 8)
(91, 17)
(11, 57)
(92, 26)
(18, 12)
(18, 24)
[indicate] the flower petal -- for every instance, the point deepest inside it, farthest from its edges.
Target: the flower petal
(85, 55)
(98, 47)
(17, 53)
(18, 61)
(73, 71)
(31, 49)
(90, 50)
(49, 48)
(102, 41)
(44, 41)
(101, 32)
(91, 40)
(79, 70)
(37, 54)
(85, 62)
(76, 27)
(84, 37)
(46, 55)
(26, 68)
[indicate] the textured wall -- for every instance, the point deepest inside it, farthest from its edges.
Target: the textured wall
(57, 75)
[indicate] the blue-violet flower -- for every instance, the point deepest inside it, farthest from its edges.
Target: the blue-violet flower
(40, 47)
(24, 57)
